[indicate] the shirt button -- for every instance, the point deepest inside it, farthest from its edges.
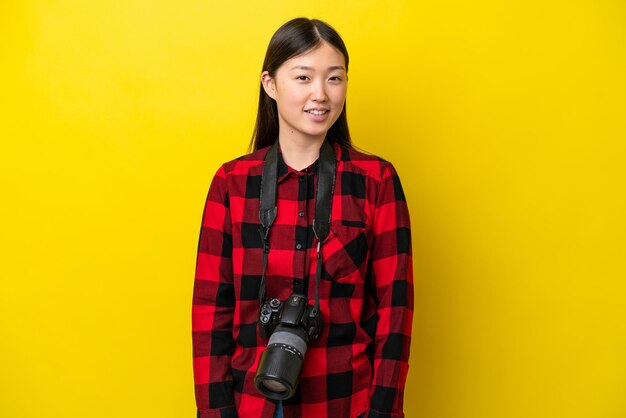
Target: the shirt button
(301, 214)
(302, 179)
(298, 246)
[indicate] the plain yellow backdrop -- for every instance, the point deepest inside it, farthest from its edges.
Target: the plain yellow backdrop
(505, 120)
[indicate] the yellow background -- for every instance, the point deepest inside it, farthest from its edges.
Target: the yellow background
(505, 120)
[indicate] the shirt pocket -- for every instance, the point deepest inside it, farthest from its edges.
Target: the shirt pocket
(345, 252)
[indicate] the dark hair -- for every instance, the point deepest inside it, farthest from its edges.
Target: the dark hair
(295, 38)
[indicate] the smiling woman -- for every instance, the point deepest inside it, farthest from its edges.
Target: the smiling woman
(310, 94)
(318, 323)
(293, 41)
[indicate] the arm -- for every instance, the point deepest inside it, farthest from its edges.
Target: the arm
(391, 276)
(213, 307)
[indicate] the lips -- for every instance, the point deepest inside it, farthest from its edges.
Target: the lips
(317, 112)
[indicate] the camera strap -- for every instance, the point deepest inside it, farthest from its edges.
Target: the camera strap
(327, 165)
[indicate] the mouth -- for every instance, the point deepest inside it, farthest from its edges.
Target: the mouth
(317, 112)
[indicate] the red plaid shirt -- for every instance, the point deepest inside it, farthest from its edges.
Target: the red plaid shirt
(360, 362)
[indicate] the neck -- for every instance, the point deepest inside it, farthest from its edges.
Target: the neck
(299, 153)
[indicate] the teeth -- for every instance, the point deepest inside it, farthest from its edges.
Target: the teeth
(317, 112)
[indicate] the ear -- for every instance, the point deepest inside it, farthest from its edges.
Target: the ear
(268, 84)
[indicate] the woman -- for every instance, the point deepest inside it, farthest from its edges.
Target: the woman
(304, 218)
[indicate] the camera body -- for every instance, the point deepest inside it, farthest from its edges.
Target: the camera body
(294, 312)
(289, 326)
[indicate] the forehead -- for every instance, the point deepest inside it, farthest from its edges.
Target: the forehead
(319, 58)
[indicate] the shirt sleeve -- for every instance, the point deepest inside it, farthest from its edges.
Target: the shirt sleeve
(213, 307)
(391, 275)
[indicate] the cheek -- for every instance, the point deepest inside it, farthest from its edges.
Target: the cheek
(289, 100)
(289, 106)
(339, 94)
(338, 103)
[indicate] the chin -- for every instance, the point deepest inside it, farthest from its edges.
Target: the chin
(318, 131)
(317, 134)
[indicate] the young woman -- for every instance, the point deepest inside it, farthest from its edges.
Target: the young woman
(303, 295)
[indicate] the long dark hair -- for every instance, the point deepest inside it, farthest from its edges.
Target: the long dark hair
(294, 38)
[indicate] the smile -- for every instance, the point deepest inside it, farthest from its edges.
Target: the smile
(317, 112)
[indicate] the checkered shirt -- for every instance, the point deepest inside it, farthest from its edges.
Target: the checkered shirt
(360, 362)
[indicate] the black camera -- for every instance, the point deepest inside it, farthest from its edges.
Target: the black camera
(290, 326)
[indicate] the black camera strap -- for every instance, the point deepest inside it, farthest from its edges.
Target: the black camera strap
(323, 204)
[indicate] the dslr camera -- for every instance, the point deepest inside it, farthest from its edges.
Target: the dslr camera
(290, 326)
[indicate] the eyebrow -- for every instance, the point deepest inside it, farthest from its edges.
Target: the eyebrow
(304, 67)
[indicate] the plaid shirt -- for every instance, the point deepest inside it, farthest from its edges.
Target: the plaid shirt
(360, 362)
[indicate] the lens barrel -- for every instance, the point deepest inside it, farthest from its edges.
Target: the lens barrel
(280, 364)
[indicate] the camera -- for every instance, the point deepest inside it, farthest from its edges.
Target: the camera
(290, 326)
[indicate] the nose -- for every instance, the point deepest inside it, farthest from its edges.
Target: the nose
(318, 91)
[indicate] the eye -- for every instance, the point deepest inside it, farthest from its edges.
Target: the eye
(302, 78)
(335, 78)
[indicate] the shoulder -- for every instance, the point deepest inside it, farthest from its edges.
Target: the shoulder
(243, 164)
(373, 166)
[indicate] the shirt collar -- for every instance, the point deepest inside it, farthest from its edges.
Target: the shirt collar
(284, 170)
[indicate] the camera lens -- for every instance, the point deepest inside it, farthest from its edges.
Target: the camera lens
(281, 363)
(274, 386)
